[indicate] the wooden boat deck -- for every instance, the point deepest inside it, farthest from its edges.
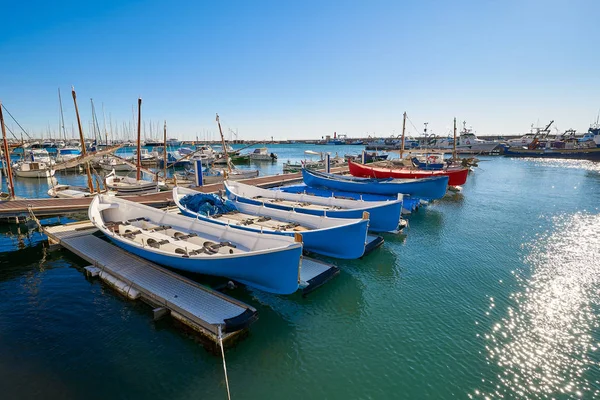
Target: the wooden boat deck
(197, 306)
(14, 210)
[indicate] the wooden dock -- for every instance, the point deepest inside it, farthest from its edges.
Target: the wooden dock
(201, 308)
(19, 209)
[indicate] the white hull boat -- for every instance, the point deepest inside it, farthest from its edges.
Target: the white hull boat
(266, 262)
(32, 169)
(68, 192)
(114, 164)
(124, 185)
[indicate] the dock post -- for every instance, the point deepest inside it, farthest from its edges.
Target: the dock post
(327, 163)
(363, 157)
(198, 170)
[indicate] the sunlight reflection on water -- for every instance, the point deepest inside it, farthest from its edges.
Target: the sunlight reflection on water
(574, 164)
(543, 345)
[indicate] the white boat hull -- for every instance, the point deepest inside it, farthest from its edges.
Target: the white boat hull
(125, 186)
(48, 173)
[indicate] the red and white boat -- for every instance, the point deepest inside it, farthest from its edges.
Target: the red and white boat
(456, 176)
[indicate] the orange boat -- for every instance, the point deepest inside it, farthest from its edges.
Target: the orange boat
(456, 176)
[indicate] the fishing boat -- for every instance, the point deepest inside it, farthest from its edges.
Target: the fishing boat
(431, 188)
(457, 176)
(333, 237)
(68, 192)
(384, 216)
(262, 154)
(583, 152)
(266, 262)
(33, 169)
(124, 185)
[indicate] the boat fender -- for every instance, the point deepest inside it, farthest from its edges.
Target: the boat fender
(365, 215)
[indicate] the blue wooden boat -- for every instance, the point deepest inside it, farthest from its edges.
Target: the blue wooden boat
(267, 262)
(334, 237)
(409, 204)
(426, 188)
(384, 216)
(428, 166)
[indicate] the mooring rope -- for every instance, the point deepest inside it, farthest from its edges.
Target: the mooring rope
(37, 221)
(224, 364)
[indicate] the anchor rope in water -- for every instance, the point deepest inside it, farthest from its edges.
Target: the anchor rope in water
(224, 364)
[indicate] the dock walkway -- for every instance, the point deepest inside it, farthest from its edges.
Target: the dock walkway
(197, 306)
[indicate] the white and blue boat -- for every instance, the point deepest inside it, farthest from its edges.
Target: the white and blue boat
(384, 216)
(409, 204)
(267, 262)
(333, 237)
(431, 188)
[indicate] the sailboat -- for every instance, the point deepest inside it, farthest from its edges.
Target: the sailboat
(132, 186)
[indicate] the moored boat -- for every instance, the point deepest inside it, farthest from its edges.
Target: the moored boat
(586, 153)
(334, 237)
(457, 176)
(430, 188)
(124, 185)
(267, 262)
(68, 192)
(33, 169)
(262, 154)
(384, 216)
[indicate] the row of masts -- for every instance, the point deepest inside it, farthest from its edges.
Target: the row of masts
(83, 145)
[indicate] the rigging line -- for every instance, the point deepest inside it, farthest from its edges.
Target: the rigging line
(224, 364)
(17, 122)
(11, 132)
(413, 125)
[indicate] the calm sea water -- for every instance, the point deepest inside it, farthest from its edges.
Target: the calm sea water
(492, 293)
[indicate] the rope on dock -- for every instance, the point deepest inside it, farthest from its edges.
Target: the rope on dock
(224, 364)
(37, 221)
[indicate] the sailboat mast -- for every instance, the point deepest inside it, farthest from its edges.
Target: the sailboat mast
(62, 117)
(165, 150)
(87, 164)
(403, 130)
(454, 142)
(11, 187)
(139, 147)
(104, 124)
(223, 144)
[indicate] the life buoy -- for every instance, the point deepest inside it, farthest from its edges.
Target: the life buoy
(431, 158)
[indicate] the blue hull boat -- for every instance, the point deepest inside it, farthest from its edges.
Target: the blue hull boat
(331, 237)
(432, 188)
(427, 165)
(384, 216)
(267, 262)
(408, 204)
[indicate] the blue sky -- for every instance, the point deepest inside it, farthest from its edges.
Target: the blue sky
(303, 69)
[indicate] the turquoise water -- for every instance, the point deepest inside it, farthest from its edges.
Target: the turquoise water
(493, 292)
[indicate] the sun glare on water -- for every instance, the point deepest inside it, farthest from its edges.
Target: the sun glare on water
(546, 344)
